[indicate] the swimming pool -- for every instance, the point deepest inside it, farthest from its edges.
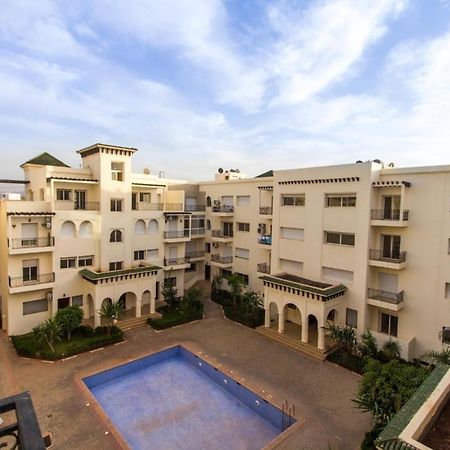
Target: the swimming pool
(175, 400)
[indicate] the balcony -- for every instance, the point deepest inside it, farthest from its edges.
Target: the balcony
(389, 260)
(172, 207)
(197, 232)
(194, 208)
(177, 236)
(389, 218)
(144, 206)
(33, 283)
(68, 205)
(266, 210)
(385, 299)
(265, 240)
(263, 268)
(176, 263)
(222, 210)
(221, 236)
(221, 261)
(31, 245)
(195, 255)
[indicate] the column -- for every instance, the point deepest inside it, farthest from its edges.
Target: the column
(152, 304)
(320, 337)
(281, 321)
(97, 319)
(267, 317)
(305, 331)
(138, 307)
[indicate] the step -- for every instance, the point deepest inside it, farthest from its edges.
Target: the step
(306, 349)
(135, 322)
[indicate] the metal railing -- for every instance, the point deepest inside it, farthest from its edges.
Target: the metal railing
(393, 214)
(48, 241)
(287, 414)
(190, 208)
(144, 206)
(263, 268)
(176, 234)
(30, 281)
(175, 261)
(385, 296)
(221, 234)
(391, 257)
(197, 231)
(69, 205)
(173, 206)
(265, 239)
(222, 259)
(266, 210)
(195, 254)
(223, 208)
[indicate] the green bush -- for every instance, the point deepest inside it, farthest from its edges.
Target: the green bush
(84, 330)
(175, 317)
(252, 320)
(350, 361)
(369, 439)
(69, 319)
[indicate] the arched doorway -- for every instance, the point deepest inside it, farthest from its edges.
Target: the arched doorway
(127, 300)
(292, 321)
(90, 306)
(332, 317)
(146, 300)
(313, 330)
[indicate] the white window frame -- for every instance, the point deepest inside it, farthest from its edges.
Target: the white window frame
(293, 199)
(340, 236)
(70, 262)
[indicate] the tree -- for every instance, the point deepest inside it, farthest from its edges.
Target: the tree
(235, 283)
(110, 311)
(169, 292)
(48, 331)
(69, 318)
(216, 284)
(439, 357)
(385, 387)
(252, 301)
(191, 299)
(390, 350)
(344, 336)
(368, 346)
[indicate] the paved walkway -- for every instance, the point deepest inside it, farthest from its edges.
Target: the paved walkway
(322, 392)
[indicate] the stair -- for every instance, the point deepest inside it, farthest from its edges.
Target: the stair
(136, 322)
(293, 343)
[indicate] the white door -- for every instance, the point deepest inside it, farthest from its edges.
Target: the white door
(388, 282)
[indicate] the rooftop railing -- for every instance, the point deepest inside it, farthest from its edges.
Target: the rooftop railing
(391, 257)
(36, 242)
(195, 254)
(222, 259)
(144, 206)
(175, 261)
(177, 234)
(32, 280)
(392, 214)
(190, 208)
(173, 207)
(221, 234)
(223, 208)
(266, 210)
(69, 205)
(385, 296)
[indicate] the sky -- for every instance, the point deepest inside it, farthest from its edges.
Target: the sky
(251, 84)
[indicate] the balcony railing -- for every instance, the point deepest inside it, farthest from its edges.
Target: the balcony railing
(223, 208)
(266, 210)
(194, 208)
(385, 296)
(391, 257)
(68, 205)
(173, 206)
(30, 281)
(263, 268)
(197, 231)
(143, 206)
(221, 234)
(222, 259)
(265, 239)
(32, 242)
(175, 261)
(177, 234)
(196, 254)
(393, 214)
(24, 429)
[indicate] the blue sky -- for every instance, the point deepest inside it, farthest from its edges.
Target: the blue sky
(249, 84)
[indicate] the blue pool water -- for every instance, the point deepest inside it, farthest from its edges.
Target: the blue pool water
(174, 400)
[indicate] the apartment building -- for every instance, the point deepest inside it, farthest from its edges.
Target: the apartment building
(364, 244)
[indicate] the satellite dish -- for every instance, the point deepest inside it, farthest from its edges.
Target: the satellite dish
(237, 170)
(391, 164)
(359, 161)
(220, 170)
(147, 171)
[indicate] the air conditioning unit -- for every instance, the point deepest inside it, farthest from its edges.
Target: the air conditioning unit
(261, 228)
(215, 244)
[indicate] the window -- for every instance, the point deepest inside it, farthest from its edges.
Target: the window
(293, 200)
(63, 194)
(225, 273)
(30, 269)
(171, 280)
(242, 226)
(291, 266)
(77, 300)
(145, 197)
(153, 226)
(447, 290)
(339, 238)
(116, 205)
(243, 200)
(208, 201)
(117, 171)
(139, 255)
(340, 200)
(35, 306)
(243, 253)
(243, 276)
(191, 268)
(116, 265)
(152, 254)
(448, 247)
(342, 276)
(84, 261)
(389, 324)
(351, 318)
(292, 233)
(68, 263)
(139, 227)
(115, 236)
(207, 247)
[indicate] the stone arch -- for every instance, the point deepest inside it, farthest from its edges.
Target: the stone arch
(116, 236)
(332, 316)
(153, 226)
(146, 297)
(313, 329)
(86, 229)
(208, 201)
(107, 301)
(208, 224)
(68, 229)
(128, 300)
(90, 306)
(139, 227)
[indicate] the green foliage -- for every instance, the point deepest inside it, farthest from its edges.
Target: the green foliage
(344, 336)
(442, 357)
(49, 332)
(369, 439)
(110, 312)
(235, 283)
(368, 345)
(173, 317)
(251, 301)
(69, 318)
(350, 361)
(385, 388)
(216, 284)
(169, 293)
(191, 299)
(390, 350)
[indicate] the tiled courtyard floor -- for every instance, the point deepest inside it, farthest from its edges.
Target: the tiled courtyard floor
(321, 392)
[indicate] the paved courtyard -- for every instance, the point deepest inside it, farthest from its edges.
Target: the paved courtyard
(321, 392)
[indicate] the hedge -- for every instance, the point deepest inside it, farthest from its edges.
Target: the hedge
(175, 317)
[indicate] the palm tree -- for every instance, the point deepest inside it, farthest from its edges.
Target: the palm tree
(391, 350)
(344, 336)
(48, 331)
(439, 357)
(235, 283)
(110, 312)
(216, 284)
